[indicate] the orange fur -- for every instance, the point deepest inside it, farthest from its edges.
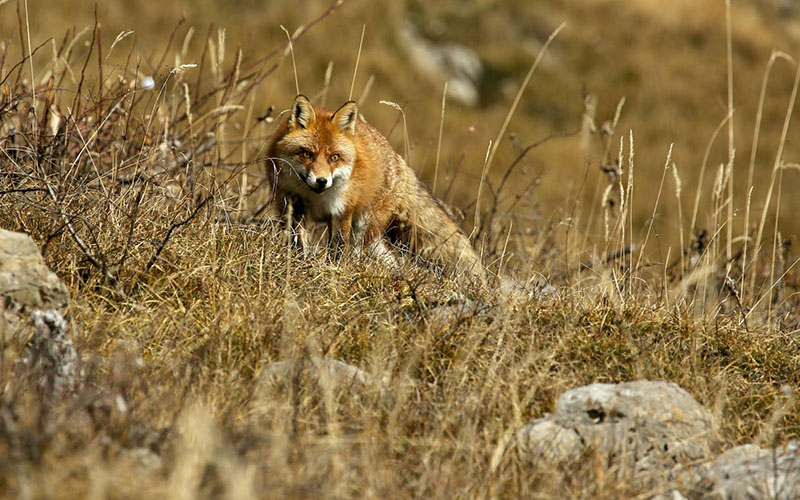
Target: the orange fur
(333, 168)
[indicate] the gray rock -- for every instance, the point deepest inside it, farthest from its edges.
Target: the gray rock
(444, 316)
(32, 299)
(142, 458)
(736, 454)
(52, 356)
(325, 370)
(645, 428)
(510, 289)
(548, 441)
(670, 495)
(25, 281)
(460, 66)
(26, 284)
(750, 473)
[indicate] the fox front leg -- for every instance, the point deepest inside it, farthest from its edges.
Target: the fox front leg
(345, 229)
(293, 212)
(334, 243)
(339, 232)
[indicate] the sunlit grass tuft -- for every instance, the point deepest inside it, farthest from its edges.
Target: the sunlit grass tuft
(153, 207)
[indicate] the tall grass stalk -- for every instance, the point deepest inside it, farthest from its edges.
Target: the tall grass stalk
(477, 218)
(358, 59)
(773, 177)
(501, 133)
(731, 141)
(30, 64)
(439, 140)
(623, 199)
(629, 194)
(294, 63)
(776, 243)
(406, 143)
(701, 175)
(367, 87)
(774, 56)
(591, 219)
(655, 207)
(326, 84)
(243, 186)
(679, 203)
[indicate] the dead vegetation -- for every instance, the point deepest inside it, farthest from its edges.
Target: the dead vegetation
(151, 206)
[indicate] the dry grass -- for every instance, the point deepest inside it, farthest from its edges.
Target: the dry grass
(150, 205)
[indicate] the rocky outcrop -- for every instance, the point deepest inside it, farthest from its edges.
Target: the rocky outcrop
(749, 472)
(52, 356)
(33, 299)
(26, 284)
(645, 428)
(657, 435)
(25, 280)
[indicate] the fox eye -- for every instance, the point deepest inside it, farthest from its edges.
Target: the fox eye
(306, 154)
(334, 157)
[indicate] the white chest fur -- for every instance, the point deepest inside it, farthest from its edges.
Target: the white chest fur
(328, 204)
(320, 207)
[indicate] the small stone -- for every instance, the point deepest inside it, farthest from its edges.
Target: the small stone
(148, 83)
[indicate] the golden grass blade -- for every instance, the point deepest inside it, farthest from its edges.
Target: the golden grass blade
(439, 140)
(358, 59)
(521, 90)
(294, 63)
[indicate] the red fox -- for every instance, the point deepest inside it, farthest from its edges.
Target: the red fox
(333, 168)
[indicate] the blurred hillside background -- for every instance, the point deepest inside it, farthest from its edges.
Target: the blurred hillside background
(667, 59)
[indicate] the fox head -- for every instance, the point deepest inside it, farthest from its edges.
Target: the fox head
(319, 144)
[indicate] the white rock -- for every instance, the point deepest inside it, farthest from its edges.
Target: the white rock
(545, 440)
(460, 66)
(645, 428)
(148, 83)
(325, 370)
(52, 356)
(749, 473)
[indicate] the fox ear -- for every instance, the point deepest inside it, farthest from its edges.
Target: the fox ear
(302, 113)
(346, 117)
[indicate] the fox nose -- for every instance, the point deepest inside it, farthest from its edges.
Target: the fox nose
(322, 182)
